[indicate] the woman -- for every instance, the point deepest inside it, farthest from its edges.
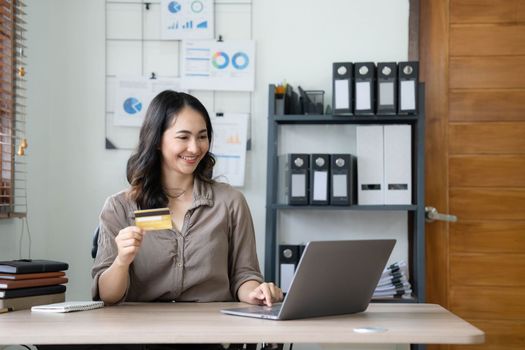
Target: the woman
(210, 254)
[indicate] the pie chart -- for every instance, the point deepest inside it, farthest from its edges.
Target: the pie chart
(174, 7)
(240, 60)
(132, 105)
(220, 60)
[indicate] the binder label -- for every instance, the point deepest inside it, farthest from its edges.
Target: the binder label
(386, 94)
(298, 185)
(320, 182)
(408, 95)
(339, 186)
(362, 95)
(341, 94)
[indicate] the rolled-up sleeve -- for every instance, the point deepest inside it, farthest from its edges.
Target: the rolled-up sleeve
(243, 262)
(112, 220)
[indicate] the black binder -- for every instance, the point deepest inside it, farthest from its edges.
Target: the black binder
(298, 178)
(343, 179)
(289, 255)
(32, 266)
(319, 179)
(364, 88)
(342, 88)
(387, 88)
(408, 78)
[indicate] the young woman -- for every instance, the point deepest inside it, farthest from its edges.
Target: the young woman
(209, 254)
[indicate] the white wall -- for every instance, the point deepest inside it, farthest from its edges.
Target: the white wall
(70, 171)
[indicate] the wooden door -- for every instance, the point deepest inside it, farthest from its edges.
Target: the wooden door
(472, 55)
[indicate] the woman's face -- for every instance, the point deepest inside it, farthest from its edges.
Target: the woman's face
(184, 143)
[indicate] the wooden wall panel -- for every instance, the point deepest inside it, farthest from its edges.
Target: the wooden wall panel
(487, 11)
(487, 269)
(488, 236)
(488, 203)
(505, 303)
(489, 138)
(487, 40)
(487, 72)
(487, 171)
(499, 335)
(487, 105)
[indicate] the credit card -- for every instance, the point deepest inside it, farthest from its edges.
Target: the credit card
(153, 219)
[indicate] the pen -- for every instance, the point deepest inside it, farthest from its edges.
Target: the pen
(5, 309)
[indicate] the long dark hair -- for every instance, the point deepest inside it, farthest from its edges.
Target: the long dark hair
(144, 166)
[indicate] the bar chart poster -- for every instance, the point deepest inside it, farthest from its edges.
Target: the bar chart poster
(186, 19)
(218, 65)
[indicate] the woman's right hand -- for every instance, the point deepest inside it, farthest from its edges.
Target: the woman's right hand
(128, 241)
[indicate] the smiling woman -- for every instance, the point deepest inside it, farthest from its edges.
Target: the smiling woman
(209, 254)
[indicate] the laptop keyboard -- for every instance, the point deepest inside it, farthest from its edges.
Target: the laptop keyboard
(271, 310)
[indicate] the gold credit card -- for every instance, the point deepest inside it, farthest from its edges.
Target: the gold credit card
(153, 219)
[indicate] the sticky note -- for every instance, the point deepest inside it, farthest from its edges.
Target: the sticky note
(153, 219)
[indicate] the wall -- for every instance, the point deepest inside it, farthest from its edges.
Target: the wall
(70, 171)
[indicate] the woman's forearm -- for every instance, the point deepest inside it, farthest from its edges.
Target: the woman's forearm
(113, 282)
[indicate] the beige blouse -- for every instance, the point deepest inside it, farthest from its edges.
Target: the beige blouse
(208, 260)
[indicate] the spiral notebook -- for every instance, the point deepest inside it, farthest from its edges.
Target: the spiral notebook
(69, 306)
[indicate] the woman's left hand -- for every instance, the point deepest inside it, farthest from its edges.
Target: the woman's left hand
(265, 294)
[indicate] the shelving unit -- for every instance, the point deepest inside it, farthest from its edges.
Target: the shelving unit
(415, 212)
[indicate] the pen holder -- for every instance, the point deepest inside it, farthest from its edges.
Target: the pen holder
(314, 102)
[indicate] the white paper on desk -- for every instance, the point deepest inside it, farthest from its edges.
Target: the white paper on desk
(214, 65)
(229, 147)
(186, 19)
(68, 306)
(133, 96)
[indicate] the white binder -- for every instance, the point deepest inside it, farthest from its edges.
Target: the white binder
(398, 164)
(369, 150)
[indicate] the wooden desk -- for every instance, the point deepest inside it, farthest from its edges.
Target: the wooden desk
(203, 323)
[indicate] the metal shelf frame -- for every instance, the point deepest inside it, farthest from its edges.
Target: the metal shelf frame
(416, 212)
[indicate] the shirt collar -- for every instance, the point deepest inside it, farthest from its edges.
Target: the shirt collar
(202, 194)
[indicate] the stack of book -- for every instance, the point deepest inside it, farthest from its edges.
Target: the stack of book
(26, 283)
(394, 282)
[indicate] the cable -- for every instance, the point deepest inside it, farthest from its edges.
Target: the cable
(28, 236)
(21, 239)
(25, 223)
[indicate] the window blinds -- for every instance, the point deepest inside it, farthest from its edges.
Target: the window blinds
(13, 143)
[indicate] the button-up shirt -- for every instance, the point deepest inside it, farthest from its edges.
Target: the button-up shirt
(208, 260)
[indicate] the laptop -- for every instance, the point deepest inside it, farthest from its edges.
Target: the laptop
(332, 278)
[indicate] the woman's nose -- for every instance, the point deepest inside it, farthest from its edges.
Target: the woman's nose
(193, 145)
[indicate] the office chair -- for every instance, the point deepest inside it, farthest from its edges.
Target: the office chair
(94, 249)
(94, 245)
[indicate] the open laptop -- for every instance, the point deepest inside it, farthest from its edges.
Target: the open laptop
(332, 278)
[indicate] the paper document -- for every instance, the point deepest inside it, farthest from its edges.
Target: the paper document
(133, 96)
(215, 65)
(69, 306)
(186, 19)
(229, 147)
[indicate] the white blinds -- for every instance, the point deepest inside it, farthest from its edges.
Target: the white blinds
(13, 143)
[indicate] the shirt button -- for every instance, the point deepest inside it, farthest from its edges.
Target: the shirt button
(179, 264)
